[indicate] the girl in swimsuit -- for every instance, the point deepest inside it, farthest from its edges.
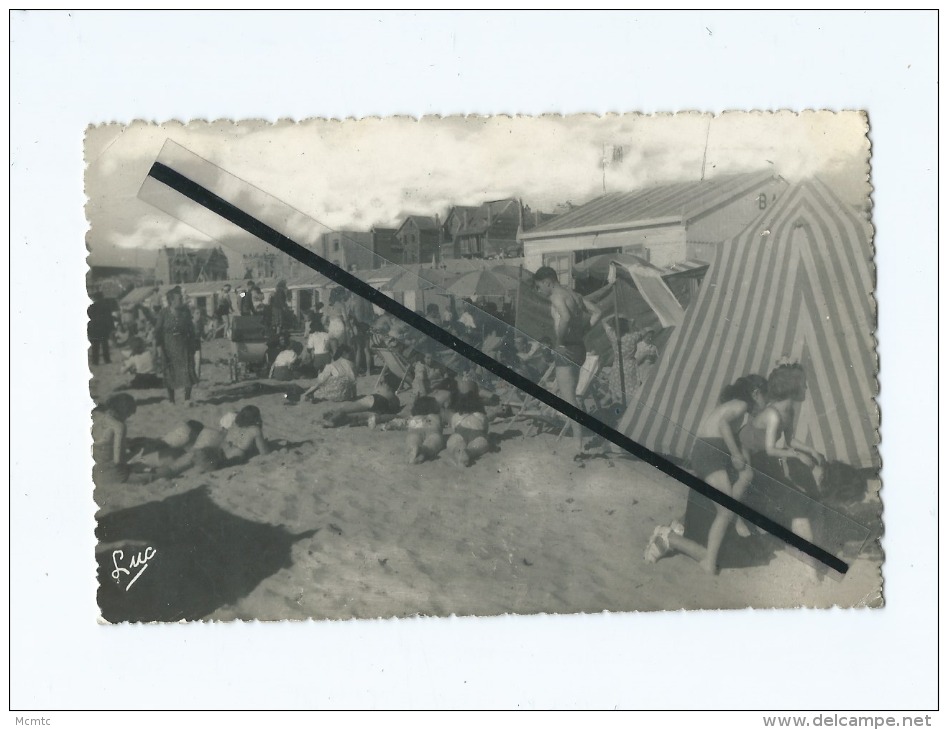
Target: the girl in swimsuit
(772, 490)
(425, 438)
(716, 458)
(152, 452)
(238, 439)
(469, 440)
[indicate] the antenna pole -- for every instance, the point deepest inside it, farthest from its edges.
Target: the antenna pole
(704, 157)
(603, 163)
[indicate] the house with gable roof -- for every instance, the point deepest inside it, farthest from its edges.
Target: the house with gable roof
(485, 231)
(419, 237)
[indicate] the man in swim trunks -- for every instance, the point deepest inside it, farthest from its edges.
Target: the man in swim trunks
(573, 317)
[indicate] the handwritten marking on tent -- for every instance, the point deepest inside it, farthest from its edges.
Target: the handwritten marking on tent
(210, 201)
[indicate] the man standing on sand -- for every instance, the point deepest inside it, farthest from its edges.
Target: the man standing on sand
(247, 307)
(99, 328)
(225, 308)
(573, 317)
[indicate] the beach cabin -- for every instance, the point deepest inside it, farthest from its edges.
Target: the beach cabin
(796, 284)
(663, 224)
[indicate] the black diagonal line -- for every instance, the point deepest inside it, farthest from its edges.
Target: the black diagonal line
(204, 197)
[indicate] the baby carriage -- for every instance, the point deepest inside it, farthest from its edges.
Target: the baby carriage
(249, 338)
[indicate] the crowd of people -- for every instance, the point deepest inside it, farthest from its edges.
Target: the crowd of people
(745, 447)
(161, 346)
(161, 343)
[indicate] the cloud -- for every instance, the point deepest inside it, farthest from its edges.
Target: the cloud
(355, 174)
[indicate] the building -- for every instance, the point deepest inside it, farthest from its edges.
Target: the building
(387, 248)
(420, 239)
(488, 230)
(350, 250)
(270, 265)
(664, 224)
(184, 265)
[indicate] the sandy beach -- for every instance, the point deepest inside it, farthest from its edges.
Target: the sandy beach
(359, 533)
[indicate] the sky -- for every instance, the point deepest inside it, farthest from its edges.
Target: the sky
(353, 174)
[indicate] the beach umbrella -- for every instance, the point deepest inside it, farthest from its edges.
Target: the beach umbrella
(483, 283)
(597, 267)
(417, 280)
(512, 272)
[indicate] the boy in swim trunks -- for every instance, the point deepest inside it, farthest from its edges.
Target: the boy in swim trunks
(573, 317)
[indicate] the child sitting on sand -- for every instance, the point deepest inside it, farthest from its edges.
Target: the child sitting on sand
(421, 377)
(287, 363)
(469, 440)
(337, 381)
(108, 439)
(141, 364)
(445, 389)
(425, 438)
(379, 407)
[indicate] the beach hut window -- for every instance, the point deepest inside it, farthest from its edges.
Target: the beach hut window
(561, 263)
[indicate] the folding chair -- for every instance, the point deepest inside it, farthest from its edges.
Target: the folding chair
(394, 363)
(513, 400)
(584, 392)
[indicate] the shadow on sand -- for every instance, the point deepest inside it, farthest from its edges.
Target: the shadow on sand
(243, 391)
(204, 558)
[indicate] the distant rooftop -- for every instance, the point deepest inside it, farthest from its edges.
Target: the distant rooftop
(424, 222)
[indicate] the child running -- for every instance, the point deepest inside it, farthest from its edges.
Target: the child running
(716, 458)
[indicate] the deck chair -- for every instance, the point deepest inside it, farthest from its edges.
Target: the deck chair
(517, 403)
(585, 392)
(394, 363)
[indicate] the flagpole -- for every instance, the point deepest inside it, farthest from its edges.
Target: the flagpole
(615, 300)
(604, 168)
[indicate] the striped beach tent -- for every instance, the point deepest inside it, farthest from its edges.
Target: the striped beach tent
(797, 283)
